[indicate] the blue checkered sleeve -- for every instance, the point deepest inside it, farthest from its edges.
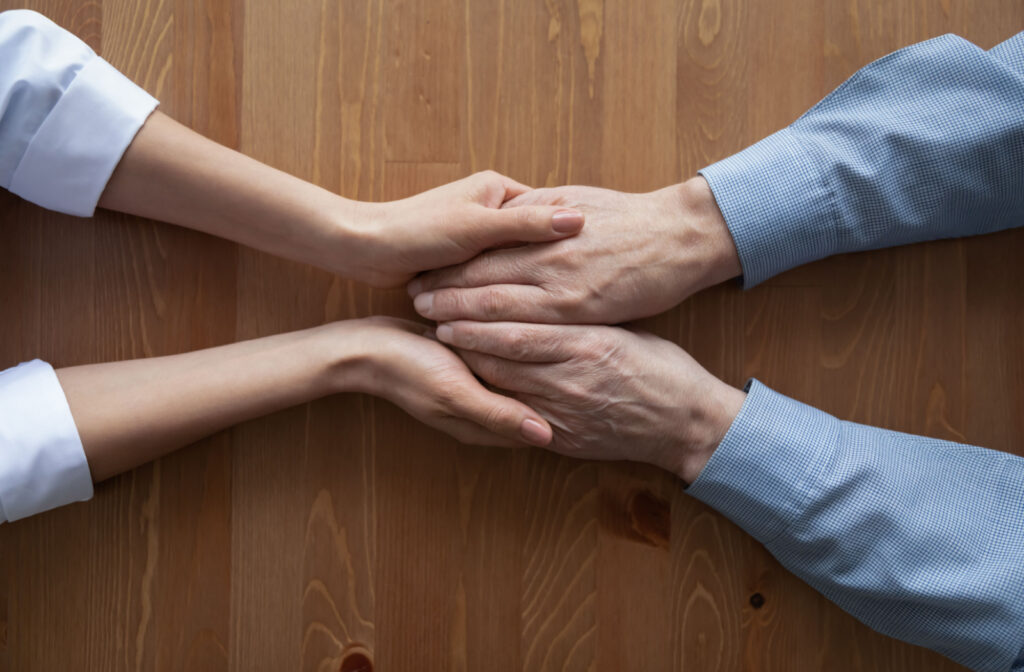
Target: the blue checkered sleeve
(920, 539)
(925, 143)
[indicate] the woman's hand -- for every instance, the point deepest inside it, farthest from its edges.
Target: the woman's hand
(609, 393)
(175, 175)
(128, 413)
(448, 225)
(400, 361)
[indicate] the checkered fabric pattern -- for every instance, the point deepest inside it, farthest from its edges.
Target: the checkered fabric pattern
(920, 539)
(925, 143)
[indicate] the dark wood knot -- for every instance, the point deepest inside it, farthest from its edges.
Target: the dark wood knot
(356, 658)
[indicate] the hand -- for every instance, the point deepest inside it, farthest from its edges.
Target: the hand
(399, 361)
(449, 225)
(609, 393)
(175, 175)
(639, 255)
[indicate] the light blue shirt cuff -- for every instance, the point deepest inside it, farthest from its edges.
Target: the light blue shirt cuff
(920, 539)
(776, 204)
(761, 493)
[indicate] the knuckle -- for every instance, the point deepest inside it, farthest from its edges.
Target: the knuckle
(465, 337)
(596, 347)
(568, 257)
(473, 273)
(498, 418)
(518, 342)
(492, 304)
(487, 179)
(528, 217)
(566, 303)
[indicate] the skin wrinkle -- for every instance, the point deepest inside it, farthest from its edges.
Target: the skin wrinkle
(632, 248)
(612, 388)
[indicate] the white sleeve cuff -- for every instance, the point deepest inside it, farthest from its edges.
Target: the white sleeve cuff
(70, 159)
(42, 462)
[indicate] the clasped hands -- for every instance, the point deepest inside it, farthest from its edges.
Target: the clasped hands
(528, 319)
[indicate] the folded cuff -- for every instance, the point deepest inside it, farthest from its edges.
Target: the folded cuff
(776, 204)
(765, 469)
(70, 159)
(42, 462)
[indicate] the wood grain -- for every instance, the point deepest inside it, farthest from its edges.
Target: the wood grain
(341, 535)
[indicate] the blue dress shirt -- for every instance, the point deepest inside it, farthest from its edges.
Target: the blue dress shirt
(920, 539)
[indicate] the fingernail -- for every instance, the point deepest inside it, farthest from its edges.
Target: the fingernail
(414, 287)
(444, 333)
(534, 432)
(424, 303)
(567, 221)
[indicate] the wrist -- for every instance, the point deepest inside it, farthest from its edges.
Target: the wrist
(719, 260)
(367, 234)
(707, 425)
(346, 361)
(342, 235)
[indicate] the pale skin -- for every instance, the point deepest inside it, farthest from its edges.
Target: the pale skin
(129, 413)
(609, 393)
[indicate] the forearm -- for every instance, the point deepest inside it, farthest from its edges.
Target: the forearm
(172, 174)
(129, 413)
(918, 538)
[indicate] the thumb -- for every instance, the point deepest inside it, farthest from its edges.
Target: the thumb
(530, 224)
(504, 416)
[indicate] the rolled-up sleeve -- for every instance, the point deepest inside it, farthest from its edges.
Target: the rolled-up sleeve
(42, 463)
(920, 539)
(66, 115)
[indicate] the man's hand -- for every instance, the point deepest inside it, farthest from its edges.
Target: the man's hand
(608, 393)
(447, 225)
(639, 255)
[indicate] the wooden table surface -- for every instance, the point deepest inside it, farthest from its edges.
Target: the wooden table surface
(343, 535)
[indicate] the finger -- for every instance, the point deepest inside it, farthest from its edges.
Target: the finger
(527, 377)
(528, 224)
(511, 303)
(502, 416)
(512, 187)
(539, 196)
(513, 340)
(499, 267)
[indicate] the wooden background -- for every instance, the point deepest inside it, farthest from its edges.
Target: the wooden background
(341, 534)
